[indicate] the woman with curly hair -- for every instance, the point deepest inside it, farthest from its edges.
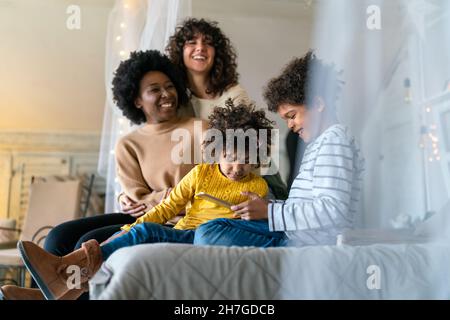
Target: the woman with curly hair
(207, 60)
(323, 198)
(229, 179)
(149, 90)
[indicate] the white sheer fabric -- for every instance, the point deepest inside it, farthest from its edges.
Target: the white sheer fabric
(396, 99)
(133, 25)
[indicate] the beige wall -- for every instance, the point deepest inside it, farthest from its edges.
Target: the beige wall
(52, 78)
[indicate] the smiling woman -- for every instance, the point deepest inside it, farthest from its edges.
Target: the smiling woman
(158, 97)
(207, 61)
(198, 56)
(143, 83)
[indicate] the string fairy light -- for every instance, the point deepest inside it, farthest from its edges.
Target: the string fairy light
(429, 141)
(123, 53)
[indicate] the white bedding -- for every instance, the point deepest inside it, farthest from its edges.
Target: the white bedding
(175, 271)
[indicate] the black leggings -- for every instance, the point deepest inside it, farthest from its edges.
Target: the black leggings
(68, 236)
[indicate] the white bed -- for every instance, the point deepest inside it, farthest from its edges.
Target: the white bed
(175, 271)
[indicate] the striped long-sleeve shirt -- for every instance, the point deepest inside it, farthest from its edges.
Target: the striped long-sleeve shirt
(323, 197)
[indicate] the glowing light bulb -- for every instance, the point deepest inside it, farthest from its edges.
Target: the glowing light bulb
(112, 151)
(123, 25)
(430, 159)
(118, 38)
(428, 109)
(122, 53)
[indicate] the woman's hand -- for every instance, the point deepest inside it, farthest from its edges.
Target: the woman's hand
(131, 207)
(253, 209)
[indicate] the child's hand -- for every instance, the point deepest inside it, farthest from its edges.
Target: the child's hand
(253, 209)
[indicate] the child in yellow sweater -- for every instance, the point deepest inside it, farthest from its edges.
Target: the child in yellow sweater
(229, 178)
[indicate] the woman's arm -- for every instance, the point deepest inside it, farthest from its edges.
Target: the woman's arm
(139, 197)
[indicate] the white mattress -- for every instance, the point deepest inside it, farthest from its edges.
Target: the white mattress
(176, 271)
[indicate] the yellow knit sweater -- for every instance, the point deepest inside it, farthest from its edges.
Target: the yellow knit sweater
(203, 178)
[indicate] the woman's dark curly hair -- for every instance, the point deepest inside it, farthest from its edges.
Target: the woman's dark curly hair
(128, 76)
(224, 70)
(241, 116)
(301, 81)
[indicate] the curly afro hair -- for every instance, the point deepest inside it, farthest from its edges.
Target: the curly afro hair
(127, 78)
(224, 70)
(302, 80)
(241, 116)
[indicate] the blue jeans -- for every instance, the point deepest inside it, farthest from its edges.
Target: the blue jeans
(147, 233)
(230, 232)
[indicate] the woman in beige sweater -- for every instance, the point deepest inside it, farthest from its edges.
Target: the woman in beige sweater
(149, 90)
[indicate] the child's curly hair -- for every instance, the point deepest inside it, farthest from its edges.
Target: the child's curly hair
(301, 81)
(224, 70)
(241, 116)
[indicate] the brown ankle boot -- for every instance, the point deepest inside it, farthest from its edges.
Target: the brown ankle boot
(50, 272)
(74, 294)
(10, 292)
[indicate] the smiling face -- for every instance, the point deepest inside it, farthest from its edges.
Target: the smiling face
(158, 97)
(300, 120)
(198, 54)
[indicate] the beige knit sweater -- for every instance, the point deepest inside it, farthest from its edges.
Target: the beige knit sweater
(144, 161)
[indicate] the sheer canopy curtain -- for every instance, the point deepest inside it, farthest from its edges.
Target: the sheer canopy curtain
(133, 25)
(395, 61)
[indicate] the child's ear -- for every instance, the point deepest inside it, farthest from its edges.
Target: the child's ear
(319, 104)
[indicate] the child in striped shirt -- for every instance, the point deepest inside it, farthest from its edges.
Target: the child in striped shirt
(323, 197)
